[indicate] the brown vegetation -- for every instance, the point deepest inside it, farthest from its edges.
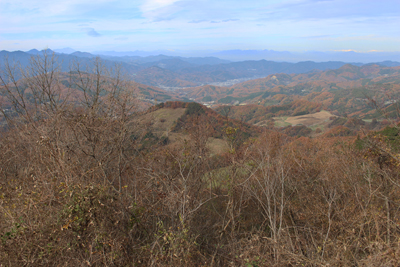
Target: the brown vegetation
(79, 187)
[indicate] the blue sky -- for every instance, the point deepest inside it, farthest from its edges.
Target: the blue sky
(282, 25)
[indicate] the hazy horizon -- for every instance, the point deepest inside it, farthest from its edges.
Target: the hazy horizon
(243, 55)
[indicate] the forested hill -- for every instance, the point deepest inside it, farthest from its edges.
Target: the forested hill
(177, 72)
(347, 76)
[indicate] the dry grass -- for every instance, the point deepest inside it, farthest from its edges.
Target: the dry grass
(217, 146)
(310, 119)
(316, 119)
(162, 120)
(279, 122)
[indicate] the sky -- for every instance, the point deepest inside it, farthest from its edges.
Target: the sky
(129, 25)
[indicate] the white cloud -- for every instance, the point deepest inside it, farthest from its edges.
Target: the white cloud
(160, 10)
(151, 5)
(48, 8)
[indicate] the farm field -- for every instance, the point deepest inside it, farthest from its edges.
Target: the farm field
(306, 120)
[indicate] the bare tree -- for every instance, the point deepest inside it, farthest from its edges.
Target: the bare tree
(269, 184)
(34, 92)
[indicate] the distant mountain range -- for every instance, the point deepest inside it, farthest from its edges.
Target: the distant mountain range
(172, 72)
(272, 55)
(346, 56)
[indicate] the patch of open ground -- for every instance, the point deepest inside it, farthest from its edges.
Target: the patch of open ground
(280, 122)
(307, 120)
(162, 120)
(217, 146)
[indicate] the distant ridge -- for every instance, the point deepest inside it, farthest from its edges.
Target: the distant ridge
(136, 53)
(272, 55)
(171, 72)
(347, 56)
(66, 50)
(331, 80)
